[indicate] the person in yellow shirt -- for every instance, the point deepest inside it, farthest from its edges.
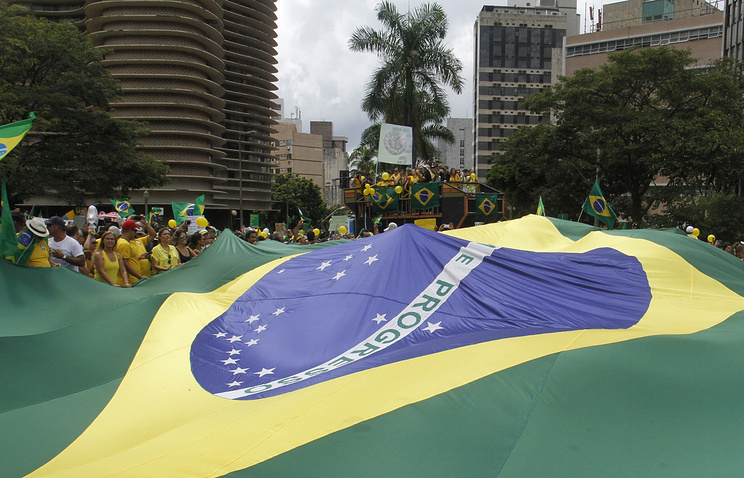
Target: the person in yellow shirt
(133, 250)
(164, 256)
(33, 244)
(356, 183)
(109, 264)
(395, 177)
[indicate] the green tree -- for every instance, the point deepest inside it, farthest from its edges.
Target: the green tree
(363, 160)
(290, 192)
(408, 88)
(643, 116)
(76, 151)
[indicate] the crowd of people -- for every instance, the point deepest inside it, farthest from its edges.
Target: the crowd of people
(404, 177)
(122, 255)
(119, 256)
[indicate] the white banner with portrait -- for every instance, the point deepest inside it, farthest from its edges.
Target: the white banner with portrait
(396, 144)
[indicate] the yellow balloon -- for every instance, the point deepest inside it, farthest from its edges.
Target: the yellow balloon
(172, 223)
(343, 230)
(398, 189)
(385, 176)
(472, 175)
(366, 192)
(367, 186)
(696, 232)
(202, 221)
(316, 231)
(264, 234)
(371, 191)
(711, 238)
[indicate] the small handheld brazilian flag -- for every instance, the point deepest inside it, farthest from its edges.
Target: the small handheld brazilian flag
(123, 207)
(596, 205)
(12, 133)
(540, 208)
(182, 210)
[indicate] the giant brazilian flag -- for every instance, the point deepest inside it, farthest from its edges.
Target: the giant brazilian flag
(534, 347)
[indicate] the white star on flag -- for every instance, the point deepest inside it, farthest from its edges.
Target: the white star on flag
(348, 258)
(230, 361)
(260, 329)
(265, 371)
(220, 334)
(233, 352)
(367, 247)
(252, 342)
(323, 265)
(253, 318)
(234, 384)
(380, 318)
(278, 311)
(433, 326)
(239, 370)
(235, 338)
(371, 260)
(281, 271)
(339, 275)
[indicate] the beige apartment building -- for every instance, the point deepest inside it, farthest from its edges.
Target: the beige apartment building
(202, 75)
(702, 35)
(299, 153)
(631, 13)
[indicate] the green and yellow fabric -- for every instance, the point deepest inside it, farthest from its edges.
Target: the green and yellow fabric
(112, 391)
(425, 195)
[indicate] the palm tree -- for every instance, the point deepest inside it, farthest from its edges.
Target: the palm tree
(407, 89)
(362, 160)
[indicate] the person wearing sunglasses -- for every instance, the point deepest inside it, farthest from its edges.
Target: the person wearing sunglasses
(164, 256)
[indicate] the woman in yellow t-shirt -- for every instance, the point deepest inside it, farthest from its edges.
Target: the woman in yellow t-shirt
(164, 256)
(108, 262)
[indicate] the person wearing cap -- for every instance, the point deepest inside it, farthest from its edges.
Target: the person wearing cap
(32, 243)
(132, 249)
(390, 227)
(63, 249)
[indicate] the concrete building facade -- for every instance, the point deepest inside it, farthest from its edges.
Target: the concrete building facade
(460, 153)
(514, 50)
(202, 75)
(702, 35)
(299, 153)
(335, 160)
(733, 29)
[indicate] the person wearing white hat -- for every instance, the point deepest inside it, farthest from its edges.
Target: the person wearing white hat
(390, 227)
(33, 244)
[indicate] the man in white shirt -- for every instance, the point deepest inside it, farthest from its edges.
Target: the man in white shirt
(64, 250)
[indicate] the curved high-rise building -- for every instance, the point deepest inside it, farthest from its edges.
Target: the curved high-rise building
(201, 73)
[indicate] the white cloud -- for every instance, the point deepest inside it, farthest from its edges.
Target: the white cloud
(319, 75)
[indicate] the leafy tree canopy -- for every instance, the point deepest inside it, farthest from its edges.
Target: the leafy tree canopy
(75, 151)
(644, 124)
(408, 88)
(363, 160)
(291, 192)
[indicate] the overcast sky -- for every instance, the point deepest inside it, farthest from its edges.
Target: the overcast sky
(320, 76)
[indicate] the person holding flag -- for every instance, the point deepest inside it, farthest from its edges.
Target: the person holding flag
(596, 205)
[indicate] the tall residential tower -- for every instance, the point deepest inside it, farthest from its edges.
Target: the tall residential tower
(201, 73)
(516, 53)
